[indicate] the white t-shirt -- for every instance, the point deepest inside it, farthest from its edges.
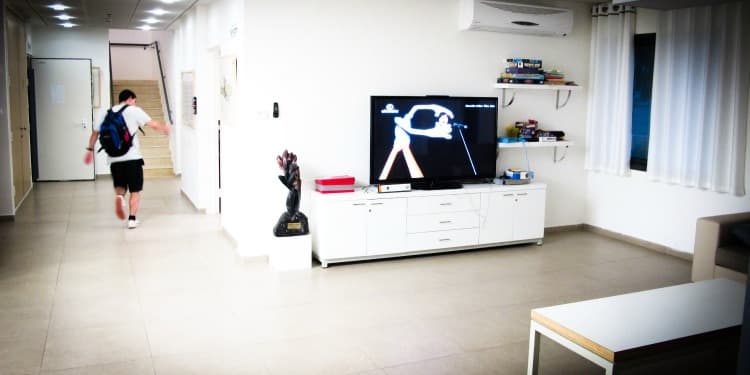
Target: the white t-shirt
(135, 117)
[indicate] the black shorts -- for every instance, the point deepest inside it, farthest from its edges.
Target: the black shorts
(128, 175)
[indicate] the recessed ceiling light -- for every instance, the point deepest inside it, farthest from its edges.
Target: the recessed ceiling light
(68, 24)
(58, 6)
(158, 11)
(151, 20)
(64, 17)
(145, 27)
(169, 1)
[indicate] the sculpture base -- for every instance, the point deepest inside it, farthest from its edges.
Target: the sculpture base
(291, 225)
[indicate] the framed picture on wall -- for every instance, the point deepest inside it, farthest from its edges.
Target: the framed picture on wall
(187, 99)
(96, 87)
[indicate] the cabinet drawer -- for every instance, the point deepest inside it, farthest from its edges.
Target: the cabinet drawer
(442, 240)
(443, 203)
(444, 221)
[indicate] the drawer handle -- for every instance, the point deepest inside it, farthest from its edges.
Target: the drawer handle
(444, 239)
(358, 204)
(446, 204)
(445, 222)
(376, 204)
(508, 195)
(522, 194)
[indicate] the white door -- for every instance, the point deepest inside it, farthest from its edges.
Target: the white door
(386, 226)
(528, 215)
(64, 116)
(496, 218)
(342, 228)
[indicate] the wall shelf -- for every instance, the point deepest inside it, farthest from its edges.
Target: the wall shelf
(553, 145)
(519, 86)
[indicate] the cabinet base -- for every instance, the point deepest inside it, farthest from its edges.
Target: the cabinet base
(324, 263)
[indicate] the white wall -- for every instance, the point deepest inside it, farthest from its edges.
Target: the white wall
(133, 63)
(322, 61)
(90, 43)
(656, 212)
(7, 207)
(201, 36)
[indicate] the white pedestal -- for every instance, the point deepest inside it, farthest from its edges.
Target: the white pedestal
(291, 253)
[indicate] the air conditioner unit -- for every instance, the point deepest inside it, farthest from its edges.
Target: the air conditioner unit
(499, 16)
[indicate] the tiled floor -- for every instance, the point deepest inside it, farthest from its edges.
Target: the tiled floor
(79, 294)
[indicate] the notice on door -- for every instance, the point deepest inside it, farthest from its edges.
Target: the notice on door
(57, 93)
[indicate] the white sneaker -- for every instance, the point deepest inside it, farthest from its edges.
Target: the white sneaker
(132, 224)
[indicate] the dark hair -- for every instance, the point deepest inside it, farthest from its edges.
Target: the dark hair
(126, 94)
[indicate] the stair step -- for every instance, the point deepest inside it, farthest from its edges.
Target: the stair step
(155, 163)
(158, 173)
(155, 152)
(154, 141)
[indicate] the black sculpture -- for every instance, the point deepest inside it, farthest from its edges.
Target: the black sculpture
(292, 222)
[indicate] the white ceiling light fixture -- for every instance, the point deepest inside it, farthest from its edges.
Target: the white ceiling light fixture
(58, 7)
(151, 20)
(68, 25)
(170, 1)
(158, 12)
(145, 27)
(64, 17)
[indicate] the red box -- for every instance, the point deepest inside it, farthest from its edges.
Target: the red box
(335, 184)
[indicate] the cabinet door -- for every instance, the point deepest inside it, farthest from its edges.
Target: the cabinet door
(386, 226)
(528, 222)
(496, 217)
(342, 230)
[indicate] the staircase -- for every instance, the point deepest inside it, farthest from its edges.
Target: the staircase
(154, 146)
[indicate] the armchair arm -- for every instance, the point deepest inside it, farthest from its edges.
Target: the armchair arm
(704, 253)
(708, 233)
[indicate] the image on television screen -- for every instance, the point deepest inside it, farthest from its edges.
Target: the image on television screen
(424, 138)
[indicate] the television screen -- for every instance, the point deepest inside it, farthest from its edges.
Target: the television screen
(423, 139)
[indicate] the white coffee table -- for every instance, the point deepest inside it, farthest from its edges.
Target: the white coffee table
(613, 329)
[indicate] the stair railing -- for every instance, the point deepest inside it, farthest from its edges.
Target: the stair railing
(161, 70)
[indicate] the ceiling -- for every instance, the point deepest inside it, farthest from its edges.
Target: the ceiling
(112, 14)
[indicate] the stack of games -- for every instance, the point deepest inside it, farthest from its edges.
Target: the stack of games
(528, 130)
(554, 77)
(335, 184)
(521, 70)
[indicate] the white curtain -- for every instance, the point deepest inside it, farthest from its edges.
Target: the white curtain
(700, 98)
(611, 89)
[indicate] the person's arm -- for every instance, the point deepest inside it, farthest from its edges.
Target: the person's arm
(90, 149)
(158, 126)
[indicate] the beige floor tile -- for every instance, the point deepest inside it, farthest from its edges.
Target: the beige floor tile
(95, 287)
(98, 311)
(484, 329)
(79, 347)
(136, 367)
(30, 294)
(243, 362)
(321, 354)
(403, 343)
(22, 321)
(22, 354)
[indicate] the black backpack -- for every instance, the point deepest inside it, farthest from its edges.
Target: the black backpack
(114, 135)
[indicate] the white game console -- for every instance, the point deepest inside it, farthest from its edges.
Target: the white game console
(392, 188)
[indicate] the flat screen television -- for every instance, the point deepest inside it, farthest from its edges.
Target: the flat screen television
(432, 142)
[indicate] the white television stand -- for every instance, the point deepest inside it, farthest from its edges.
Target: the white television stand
(367, 225)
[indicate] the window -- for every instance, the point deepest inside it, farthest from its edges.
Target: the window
(642, 81)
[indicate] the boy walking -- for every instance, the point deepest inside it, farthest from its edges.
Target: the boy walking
(127, 170)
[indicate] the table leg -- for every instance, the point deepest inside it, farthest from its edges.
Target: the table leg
(534, 336)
